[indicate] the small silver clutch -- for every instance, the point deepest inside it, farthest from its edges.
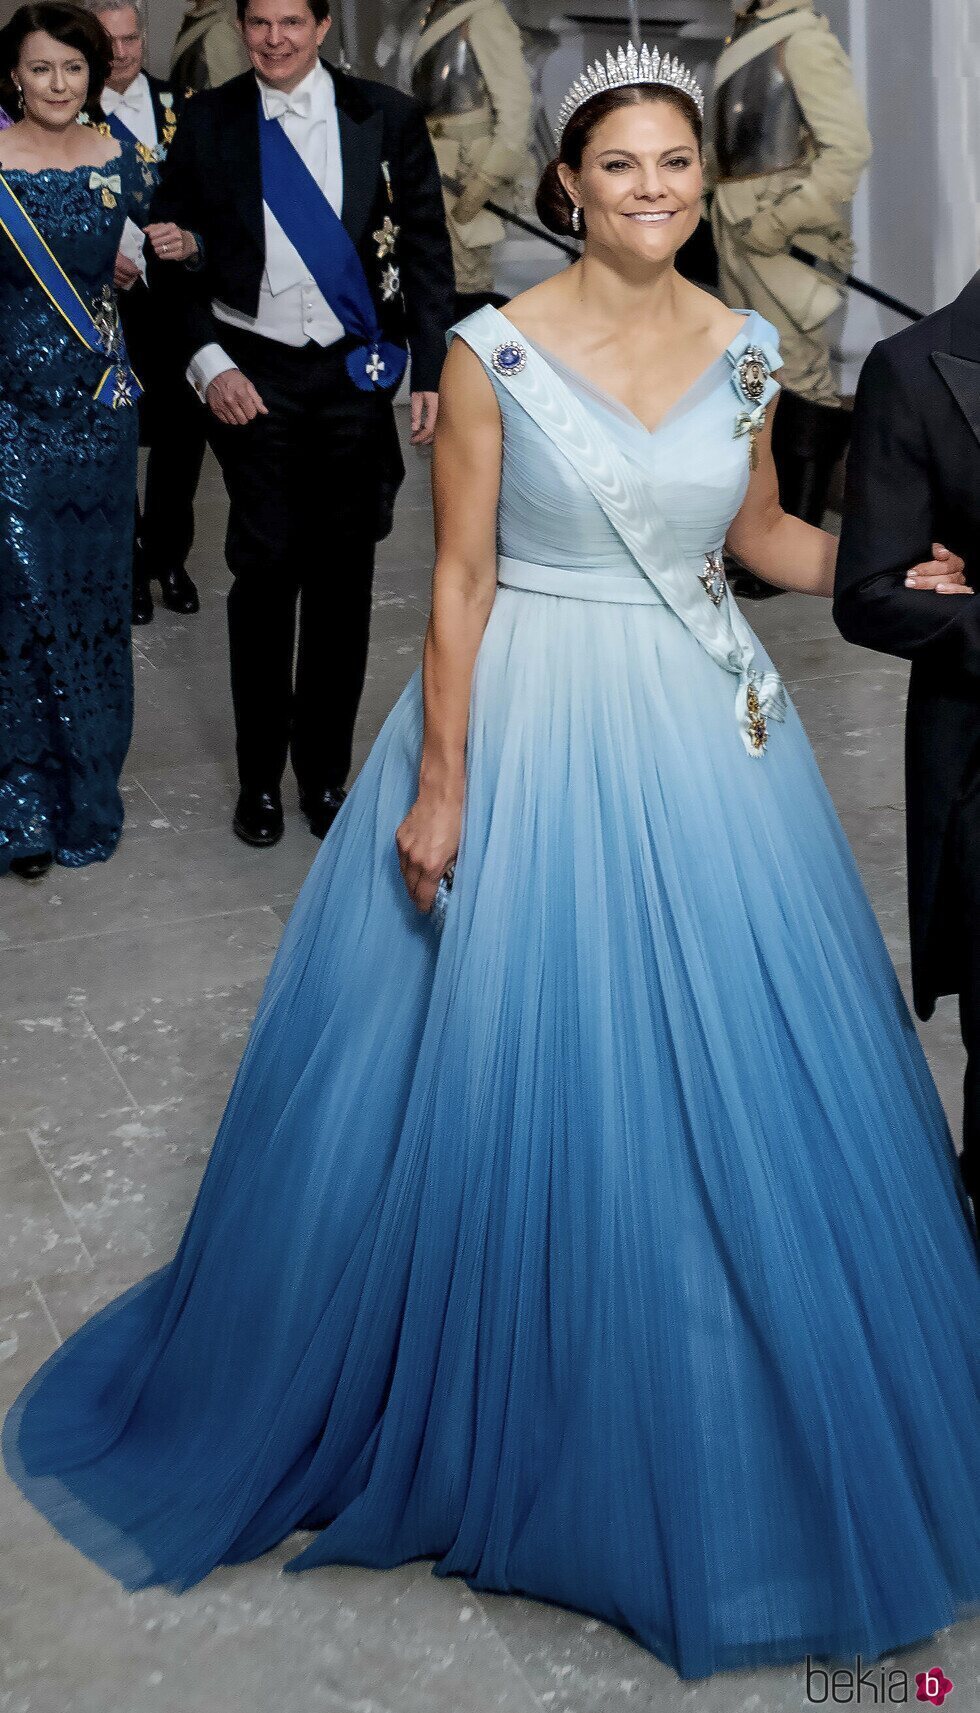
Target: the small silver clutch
(441, 899)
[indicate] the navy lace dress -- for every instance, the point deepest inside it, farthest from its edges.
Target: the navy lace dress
(67, 478)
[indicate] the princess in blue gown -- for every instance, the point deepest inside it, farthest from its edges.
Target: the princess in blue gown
(607, 1246)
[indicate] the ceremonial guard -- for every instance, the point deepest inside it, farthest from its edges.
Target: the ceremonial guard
(469, 75)
(789, 145)
(325, 260)
(209, 49)
(141, 108)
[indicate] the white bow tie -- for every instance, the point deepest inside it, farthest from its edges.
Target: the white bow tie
(278, 104)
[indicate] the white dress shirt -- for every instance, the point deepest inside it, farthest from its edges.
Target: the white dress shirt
(134, 107)
(292, 309)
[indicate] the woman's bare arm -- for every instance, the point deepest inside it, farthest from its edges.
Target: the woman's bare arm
(783, 550)
(465, 487)
(791, 554)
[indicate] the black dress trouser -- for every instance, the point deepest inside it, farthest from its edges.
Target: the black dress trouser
(303, 486)
(165, 525)
(965, 873)
(173, 424)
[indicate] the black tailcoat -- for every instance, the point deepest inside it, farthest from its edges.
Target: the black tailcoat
(914, 479)
(211, 184)
(152, 358)
(159, 87)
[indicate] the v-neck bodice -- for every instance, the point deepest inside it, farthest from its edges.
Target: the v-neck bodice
(697, 465)
(702, 385)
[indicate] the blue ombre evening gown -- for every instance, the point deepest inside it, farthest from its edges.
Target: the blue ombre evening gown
(610, 1247)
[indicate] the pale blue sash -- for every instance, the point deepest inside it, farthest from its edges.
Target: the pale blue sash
(575, 585)
(626, 495)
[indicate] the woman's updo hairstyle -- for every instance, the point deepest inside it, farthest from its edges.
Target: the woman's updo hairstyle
(553, 203)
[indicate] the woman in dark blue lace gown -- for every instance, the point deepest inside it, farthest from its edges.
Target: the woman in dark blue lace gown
(67, 461)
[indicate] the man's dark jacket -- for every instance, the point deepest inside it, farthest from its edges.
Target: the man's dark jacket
(152, 357)
(211, 184)
(159, 87)
(914, 479)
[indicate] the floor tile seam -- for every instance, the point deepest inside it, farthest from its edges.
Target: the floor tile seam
(175, 767)
(110, 1061)
(870, 731)
(292, 812)
(515, 1662)
(772, 644)
(42, 1299)
(126, 783)
(66, 1210)
(791, 678)
(127, 928)
(135, 780)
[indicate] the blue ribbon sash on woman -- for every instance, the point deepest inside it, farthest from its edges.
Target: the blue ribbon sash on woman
(324, 245)
(96, 326)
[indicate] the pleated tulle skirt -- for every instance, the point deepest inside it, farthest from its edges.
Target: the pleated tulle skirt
(609, 1248)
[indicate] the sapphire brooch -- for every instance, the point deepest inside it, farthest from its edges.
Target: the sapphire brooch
(508, 358)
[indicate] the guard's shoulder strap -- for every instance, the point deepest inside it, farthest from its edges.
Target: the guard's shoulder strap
(444, 26)
(758, 41)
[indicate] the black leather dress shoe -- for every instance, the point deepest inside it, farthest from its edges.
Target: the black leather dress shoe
(321, 808)
(142, 602)
(33, 867)
(258, 816)
(178, 591)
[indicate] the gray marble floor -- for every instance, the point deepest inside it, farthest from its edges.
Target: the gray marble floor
(126, 992)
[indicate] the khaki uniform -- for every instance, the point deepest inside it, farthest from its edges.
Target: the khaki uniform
(469, 75)
(209, 49)
(758, 215)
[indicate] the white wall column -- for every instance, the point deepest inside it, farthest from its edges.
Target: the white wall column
(955, 98)
(865, 322)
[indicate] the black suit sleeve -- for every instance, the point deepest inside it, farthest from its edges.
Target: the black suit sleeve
(428, 284)
(890, 525)
(182, 291)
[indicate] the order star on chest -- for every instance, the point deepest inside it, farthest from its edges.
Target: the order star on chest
(385, 237)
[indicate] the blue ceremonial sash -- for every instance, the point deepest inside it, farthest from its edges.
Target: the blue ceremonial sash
(97, 327)
(313, 228)
(120, 129)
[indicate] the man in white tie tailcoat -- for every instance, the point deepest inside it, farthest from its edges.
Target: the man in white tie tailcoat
(303, 428)
(143, 109)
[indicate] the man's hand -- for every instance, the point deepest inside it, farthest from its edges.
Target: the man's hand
(944, 573)
(233, 399)
(170, 242)
(125, 273)
(471, 199)
(425, 407)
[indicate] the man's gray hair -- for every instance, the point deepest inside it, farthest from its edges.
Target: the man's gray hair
(139, 7)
